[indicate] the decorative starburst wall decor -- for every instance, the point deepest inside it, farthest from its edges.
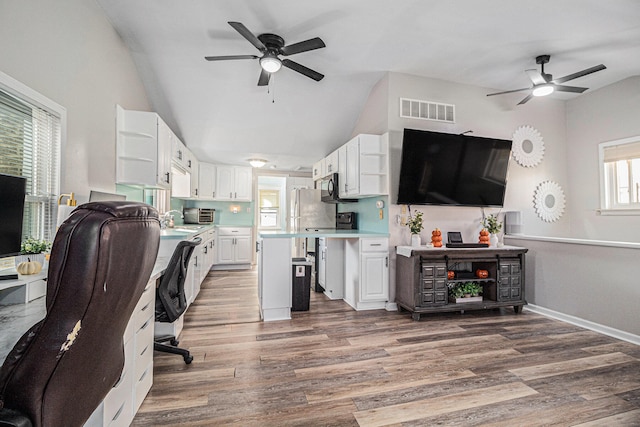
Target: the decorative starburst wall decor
(528, 146)
(549, 201)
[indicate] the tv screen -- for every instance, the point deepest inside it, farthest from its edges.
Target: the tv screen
(448, 169)
(12, 192)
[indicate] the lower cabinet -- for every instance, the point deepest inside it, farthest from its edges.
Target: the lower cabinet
(123, 401)
(367, 273)
(234, 247)
(331, 267)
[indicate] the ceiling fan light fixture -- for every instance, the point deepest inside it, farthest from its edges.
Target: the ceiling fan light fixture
(257, 163)
(543, 90)
(270, 63)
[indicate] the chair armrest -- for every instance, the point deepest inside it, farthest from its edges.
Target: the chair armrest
(11, 418)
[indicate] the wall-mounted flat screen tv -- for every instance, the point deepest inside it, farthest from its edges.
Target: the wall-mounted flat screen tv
(12, 193)
(448, 169)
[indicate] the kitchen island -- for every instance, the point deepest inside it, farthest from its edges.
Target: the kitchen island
(366, 269)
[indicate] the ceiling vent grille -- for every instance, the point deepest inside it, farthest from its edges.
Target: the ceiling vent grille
(427, 110)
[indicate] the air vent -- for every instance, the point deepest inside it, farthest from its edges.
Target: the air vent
(427, 110)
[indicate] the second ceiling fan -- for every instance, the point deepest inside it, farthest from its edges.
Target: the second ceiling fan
(272, 46)
(545, 84)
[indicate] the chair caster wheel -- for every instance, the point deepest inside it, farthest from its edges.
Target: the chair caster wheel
(174, 342)
(188, 359)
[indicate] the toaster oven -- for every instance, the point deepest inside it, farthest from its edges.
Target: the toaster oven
(199, 215)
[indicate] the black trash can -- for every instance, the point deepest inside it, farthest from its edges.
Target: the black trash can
(301, 281)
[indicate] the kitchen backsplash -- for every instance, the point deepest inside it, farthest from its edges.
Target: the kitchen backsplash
(368, 214)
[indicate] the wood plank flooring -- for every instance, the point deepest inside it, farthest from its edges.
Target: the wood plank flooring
(332, 366)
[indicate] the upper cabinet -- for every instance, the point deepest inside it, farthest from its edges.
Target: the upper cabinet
(319, 170)
(179, 154)
(143, 149)
(193, 167)
(366, 167)
(207, 181)
(234, 183)
(332, 164)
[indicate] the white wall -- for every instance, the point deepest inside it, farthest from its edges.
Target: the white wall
(68, 52)
(607, 114)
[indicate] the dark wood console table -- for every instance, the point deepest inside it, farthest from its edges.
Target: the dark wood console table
(422, 281)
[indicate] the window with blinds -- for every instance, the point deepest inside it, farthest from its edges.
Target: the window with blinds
(269, 201)
(620, 182)
(30, 139)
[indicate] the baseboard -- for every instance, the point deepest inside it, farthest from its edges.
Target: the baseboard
(596, 327)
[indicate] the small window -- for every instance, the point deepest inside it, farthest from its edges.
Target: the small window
(620, 175)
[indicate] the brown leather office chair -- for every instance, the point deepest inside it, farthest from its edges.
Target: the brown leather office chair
(63, 367)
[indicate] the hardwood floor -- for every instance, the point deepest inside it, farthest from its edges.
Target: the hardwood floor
(332, 366)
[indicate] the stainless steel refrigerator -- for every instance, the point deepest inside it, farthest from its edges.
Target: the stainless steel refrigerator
(308, 212)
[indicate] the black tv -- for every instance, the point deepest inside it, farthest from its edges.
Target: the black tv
(455, 170)
(12, 193)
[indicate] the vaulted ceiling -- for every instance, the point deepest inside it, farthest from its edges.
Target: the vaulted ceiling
(223, 116)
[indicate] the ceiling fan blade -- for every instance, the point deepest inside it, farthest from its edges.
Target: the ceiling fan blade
(229, 57)
(579, 74)
(574, 89)
(536, 77)
(311, 44)
(264, 78)
(302, 70)
(244, 32)
(526, 99)
(509, 91)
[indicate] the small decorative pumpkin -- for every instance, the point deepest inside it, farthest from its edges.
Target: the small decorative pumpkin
(436, 238)
(29, 267)
(451, 274)
(482, 274)
(484, 236)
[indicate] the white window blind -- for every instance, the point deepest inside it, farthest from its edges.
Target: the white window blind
(30, 139)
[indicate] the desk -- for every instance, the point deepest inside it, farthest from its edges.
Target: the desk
(24, 289)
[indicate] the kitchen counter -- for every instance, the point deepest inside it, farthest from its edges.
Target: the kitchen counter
(338, 234)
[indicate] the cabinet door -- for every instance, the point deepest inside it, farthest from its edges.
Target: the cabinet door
(178, 151)
(352, 184)
(164, 154)
(225, 249)
(225, 177)
(321, 259)
(194, 168)
(375, 276)
(332, 163)
(206, 181)
(243, 178)
(342, 171)
(242, 249)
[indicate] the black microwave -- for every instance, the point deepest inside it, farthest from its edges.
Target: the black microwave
(329, 190)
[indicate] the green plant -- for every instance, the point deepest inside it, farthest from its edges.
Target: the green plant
(34, 246)
(415, 223)
(459, 290)
(492, 224)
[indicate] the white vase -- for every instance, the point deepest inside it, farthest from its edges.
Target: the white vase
(493, 240)
(415, 240)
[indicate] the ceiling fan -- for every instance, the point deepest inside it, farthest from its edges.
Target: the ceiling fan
(271, 46)
(544, 84)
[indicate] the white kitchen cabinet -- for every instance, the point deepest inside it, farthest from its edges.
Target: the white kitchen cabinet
(332, 164)
(319, 170)
(234, 247)
(367, 273)
(178, 153)
(234, 183)
(193, 166)
(366, 167)
(342, 171)
(207, 181)
(274, 278)
(143, 149)
(331, 266)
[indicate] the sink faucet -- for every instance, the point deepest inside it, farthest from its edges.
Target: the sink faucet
(166, 218)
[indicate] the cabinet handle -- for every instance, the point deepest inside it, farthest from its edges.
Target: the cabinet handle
(196, 191)
(257, 246)
(167, 174)
(235, 195)
(376, 244)
(386, 261)
(196, 262)
(206, 249)
(189, 163)
(231, 195)
(214, 194)
(180, 154)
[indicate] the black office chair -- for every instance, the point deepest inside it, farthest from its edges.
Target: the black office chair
(171, 301)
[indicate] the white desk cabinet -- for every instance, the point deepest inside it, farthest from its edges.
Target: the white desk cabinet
(234, 247)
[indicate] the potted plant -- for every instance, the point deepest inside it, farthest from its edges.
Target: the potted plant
(493, 226)
(32, 250)
(415, 226)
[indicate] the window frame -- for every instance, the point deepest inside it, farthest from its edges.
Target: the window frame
(23, 92)
(608, 188)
